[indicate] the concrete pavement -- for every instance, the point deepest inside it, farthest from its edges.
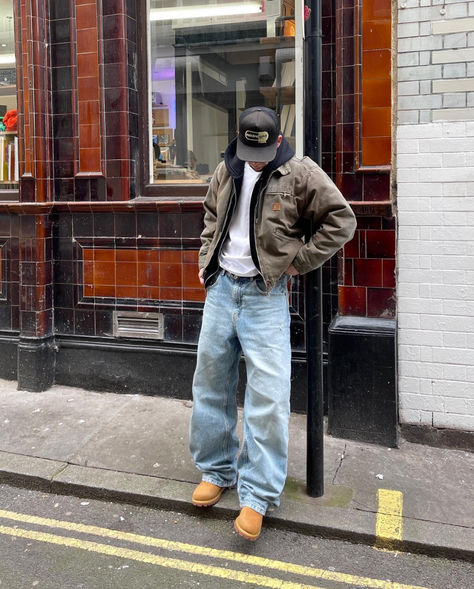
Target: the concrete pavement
(134, 448)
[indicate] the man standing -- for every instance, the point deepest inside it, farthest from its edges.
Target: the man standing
(258, 202)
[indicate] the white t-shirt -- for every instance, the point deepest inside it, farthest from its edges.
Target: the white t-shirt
(235, 256)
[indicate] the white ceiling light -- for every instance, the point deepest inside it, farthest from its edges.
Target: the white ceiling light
(7, 58)
(205, 11)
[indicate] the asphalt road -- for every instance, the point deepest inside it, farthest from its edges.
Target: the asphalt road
(60, 542)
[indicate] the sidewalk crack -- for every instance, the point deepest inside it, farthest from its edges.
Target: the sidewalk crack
(60, 471)
(343, 455)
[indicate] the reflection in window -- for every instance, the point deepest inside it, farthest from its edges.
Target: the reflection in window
(8, 113)
(208, 62)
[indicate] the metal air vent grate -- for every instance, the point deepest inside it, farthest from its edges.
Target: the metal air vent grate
(141, 325)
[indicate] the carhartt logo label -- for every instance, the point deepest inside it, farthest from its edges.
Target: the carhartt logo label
(276, 206)
(257, 136)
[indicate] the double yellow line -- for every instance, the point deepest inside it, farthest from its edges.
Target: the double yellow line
(256, 580)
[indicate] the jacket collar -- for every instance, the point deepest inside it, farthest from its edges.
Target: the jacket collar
(284, 169)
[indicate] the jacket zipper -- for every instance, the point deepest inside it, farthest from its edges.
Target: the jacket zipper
(227, 217)
(253, 243)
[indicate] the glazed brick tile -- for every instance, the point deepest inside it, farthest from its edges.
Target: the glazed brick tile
(61, 78)
(104, 224)
(173, 327)
(132, 30)
(63, 271)
(87, 90)
(63, 150)
(89, 136)
(83, 225)
(377, 187)
(113, 75)
(60, 31)
(112, 6)
(5, 225)
(113, 27)
(103, 323)
(59, 9)
(90, 159)
(86, 39)
(125, 225)
(381, 302)
(380, 244)
(147, 224)
(60, 54)
(171, 275)
(81, 189)
(64, 295)
(368, 272)
(353, 300)
(351, 186)
(114, 49)
(369, 223)
(89, 113)
(169, 225)
(87, 65)
(131, 8)
(62, 125)
(62, 102)
(376, 151)
(389, 273)
(191, 328)
(97, 188)
(63, 249)
(64, 321)
(5, 316)
(348, 279)
(84, 322)
(86, 18)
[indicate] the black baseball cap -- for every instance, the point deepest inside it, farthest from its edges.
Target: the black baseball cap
(258, 134)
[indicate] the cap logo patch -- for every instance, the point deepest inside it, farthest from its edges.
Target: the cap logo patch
(257, 136)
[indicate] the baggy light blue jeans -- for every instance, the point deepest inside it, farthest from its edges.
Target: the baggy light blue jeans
(240, 317)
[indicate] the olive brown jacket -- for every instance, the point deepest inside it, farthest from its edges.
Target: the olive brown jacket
(297, 216)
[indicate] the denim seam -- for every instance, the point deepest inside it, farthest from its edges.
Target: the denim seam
(258, 507)
(216, 481)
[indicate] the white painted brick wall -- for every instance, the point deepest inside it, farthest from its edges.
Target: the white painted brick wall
(435, 45)
(435, 203)
(435, 261)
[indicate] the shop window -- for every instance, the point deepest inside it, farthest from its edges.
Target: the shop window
(207, 62)
(9, 172)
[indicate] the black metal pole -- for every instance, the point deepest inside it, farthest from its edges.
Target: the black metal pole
(314, 313)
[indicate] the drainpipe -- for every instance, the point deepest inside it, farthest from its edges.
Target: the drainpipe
(314, 306)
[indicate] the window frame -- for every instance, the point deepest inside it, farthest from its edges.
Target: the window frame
(147, 188)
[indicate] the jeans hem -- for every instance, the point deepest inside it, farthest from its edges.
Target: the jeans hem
(258, 507)
(217, 481)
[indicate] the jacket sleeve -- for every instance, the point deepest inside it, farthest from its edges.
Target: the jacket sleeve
(210, 218)
(331, 220)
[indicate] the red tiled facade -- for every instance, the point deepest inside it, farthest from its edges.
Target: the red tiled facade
(79, 245)
(363, 155)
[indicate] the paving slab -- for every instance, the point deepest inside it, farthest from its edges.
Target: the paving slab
(54, 424)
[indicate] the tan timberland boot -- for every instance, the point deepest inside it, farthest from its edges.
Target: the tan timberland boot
(249, 523)
(207, 494)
